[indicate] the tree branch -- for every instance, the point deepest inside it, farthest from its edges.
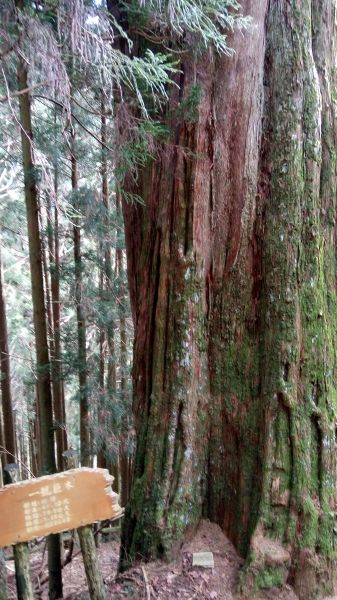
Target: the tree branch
(89, 131)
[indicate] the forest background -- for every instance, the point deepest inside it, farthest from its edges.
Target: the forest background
(80, 111)
(224, 166)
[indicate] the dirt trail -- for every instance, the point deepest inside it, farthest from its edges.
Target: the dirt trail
(156, 580)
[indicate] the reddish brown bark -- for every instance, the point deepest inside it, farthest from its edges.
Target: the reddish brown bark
(232, 279)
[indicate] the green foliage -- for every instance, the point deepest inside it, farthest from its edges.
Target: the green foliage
(188, 108)
(206, 19)
(138, 148)
(169, 26)
(268, 578)
(78, 74)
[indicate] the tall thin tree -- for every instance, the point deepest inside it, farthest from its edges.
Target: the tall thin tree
(124, 425)
(39, 308)
(85, 443)
(6, 396)
(56, 354)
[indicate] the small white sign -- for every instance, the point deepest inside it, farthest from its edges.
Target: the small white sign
(203, 559)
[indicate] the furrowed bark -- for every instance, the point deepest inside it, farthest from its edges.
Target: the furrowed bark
(232, 271)
(167, 271)
(298, 300)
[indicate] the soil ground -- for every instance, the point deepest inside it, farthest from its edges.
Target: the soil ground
(155, 580)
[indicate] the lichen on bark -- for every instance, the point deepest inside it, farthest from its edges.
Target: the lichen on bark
(298, 301)
(232, 267)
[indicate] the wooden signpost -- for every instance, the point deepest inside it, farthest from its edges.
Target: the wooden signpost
(56, 503)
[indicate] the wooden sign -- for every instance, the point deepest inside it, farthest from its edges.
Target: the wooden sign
(55, 503)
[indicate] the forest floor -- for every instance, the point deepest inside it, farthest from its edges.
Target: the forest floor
(156, 580)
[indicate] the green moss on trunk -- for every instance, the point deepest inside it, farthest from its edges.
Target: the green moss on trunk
(235, 378)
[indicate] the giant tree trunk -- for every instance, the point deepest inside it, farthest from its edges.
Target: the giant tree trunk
(233, 288)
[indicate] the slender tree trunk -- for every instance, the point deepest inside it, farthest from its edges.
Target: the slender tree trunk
(37, 434)
(101, 410)
(35, 255)
(3, 569)
(3, 576)
(232, 271)
(23, 581)
(23, 454)
(32, 449)
(56, 354)
(124, 433)
(39, 313)
(22, 573)
(80, 312)
(101, 336)
(57, 370)
(111, 380)
(6, 396)
(101, 457)
(2, 445)
(45, 267)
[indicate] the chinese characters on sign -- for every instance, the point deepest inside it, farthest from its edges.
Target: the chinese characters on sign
(48, 508)
(55, 503)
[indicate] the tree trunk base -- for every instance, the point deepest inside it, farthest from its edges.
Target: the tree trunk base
(271, 565)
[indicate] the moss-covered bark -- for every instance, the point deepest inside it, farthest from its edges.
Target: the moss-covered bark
(232, 268)
(298, 296)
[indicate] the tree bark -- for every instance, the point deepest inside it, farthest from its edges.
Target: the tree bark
(2, 445)
(101, 408)
(3, 568)
(22, 575)
(92, 571)
(39, 312)
(23, 582)
(35, 255)
(110, 449)
(125, 422)
(85, 444)
(56, 354)
(232, 272)
(6, 396)
(104, 255)
(3, 576)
